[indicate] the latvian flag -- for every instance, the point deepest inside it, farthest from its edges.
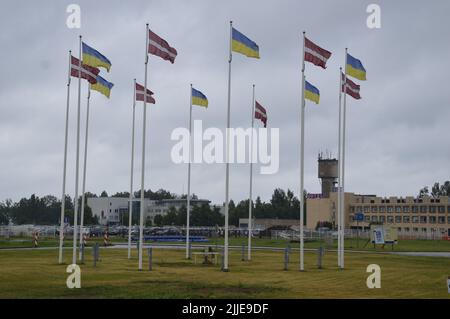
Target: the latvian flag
(140, 94)
(352, 88)
(315, 54)
(160, 47)
(87, 72)
(260, 113)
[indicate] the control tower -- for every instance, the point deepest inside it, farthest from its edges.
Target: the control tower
(328, 174)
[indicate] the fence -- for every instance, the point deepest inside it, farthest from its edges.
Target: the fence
(314, 235)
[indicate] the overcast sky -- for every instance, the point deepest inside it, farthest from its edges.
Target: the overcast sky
(398, 134)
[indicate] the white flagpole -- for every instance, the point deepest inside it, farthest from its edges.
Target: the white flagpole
(250, 206)
(339, 169)
(84, 170)
(130, 210)
(188, 206)
(343, 169)
(75, 214)
(302, 164)
(141, 224)
(227, 164)
(63, 196)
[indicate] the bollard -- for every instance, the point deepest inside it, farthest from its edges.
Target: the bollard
(94, 255)
(82, 253)
(286, 258)
(150, 258)
(98, 252)
(190, 251)
(320, 253)
(243, 252)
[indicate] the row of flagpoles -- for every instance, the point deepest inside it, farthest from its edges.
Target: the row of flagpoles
(87, 67)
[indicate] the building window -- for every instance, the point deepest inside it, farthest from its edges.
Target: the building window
(448, 209)
(415, 209)
(415, 219)
(407, 229)
(432, 209)
(358, 209)
(367, 218)
(448, 219)
(390, 219)
(441, 219)
(352, 209)
(374, 209)
(366, 209)
(406, 209)
(423, 209)
(406, 219)
(390, 209)
(415, 230)
(432, 219)
(382, 209)
(441, 209)
(382, 219)
(424, 230)
(398, 209)
(423, 219)
(374, 218)
(398, 219)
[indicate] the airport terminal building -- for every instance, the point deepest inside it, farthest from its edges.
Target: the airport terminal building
(419, 217)
(110, 210)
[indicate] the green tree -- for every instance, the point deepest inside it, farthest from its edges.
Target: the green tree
(104, 194)
(158, 220)
(121, 194)
(171, 217)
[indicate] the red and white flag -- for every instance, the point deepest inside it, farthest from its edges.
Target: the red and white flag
(87, 72)
(352, 88)
(260, 113)
(140, 94)
(315, 54)
(160, 47)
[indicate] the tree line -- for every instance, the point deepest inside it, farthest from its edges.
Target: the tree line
(46, 210)
(436, 190)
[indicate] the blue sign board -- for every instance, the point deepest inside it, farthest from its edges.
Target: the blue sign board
(359, 217)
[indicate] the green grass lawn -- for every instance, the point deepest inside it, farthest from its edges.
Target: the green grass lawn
(36, 274)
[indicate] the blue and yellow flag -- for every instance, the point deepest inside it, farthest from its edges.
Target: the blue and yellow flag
(243, 45)
(102, 86)
(355, 68)
(198, 98)
(311, 92)
(94, 58)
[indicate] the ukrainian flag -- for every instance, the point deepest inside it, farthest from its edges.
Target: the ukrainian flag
(311, 92)
(102, 86)
(94, 58)
(243, 45)
(355, 68)
(198, 98)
